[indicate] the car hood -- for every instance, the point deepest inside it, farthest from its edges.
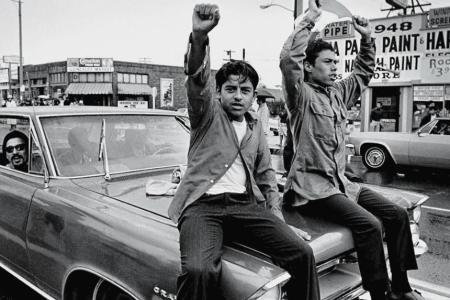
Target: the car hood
(328, 239)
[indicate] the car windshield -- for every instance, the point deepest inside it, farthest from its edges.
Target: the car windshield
(133, 142)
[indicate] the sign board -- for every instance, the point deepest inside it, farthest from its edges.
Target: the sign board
(132, 104)
(405, 52)
(341, 29)
(439, 17)
(398, 3)
(12, 59)
(90, 65)
(385, 101)
(428, 93)
(4, 75)
(166, 88)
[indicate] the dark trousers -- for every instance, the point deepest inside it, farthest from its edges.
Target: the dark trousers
(203, 226)
(366, 219)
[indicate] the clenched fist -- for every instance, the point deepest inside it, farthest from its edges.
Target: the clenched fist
(204, 18)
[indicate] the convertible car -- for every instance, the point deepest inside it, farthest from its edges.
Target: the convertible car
(429, 146)
(79, 222)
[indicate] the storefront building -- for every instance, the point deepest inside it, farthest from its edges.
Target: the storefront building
(106, 82)
(412, 66)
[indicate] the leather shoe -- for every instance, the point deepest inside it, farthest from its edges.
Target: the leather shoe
(413, 295)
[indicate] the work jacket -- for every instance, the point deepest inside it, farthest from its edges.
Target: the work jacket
(317, 118)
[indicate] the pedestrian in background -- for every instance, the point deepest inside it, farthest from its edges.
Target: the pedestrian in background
(263, 114)
(375, 116)
(316, 184)
(430, 116)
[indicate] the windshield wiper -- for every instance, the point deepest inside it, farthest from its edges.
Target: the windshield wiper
(102, 152)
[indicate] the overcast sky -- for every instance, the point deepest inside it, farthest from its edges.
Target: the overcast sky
(155, 30)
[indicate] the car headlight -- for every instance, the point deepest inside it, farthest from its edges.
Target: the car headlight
(272, 289)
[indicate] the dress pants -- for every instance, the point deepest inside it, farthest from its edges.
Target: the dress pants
(203, 226)
(366, 219)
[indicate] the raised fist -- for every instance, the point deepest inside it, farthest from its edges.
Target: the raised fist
(205, 18)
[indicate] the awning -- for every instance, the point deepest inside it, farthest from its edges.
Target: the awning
(134, 89)
(89, 89)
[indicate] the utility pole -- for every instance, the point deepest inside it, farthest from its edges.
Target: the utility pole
(20, 52)
(298, 8)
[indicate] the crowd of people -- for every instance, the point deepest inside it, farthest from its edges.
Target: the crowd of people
(41, 101)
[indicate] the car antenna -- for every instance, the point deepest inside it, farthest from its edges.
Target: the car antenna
(102, 152)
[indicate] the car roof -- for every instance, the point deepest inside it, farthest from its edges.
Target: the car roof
(65, 110)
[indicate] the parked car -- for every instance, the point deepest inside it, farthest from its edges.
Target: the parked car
(429, 146)
(79, 223)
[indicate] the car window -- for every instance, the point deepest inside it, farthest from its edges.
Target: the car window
(14, 137)
(133, 142)
(442, 127)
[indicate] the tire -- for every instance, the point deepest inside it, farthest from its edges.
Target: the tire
(376, 158)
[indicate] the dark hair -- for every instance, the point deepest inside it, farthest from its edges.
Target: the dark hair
(314, 48)
(237, 67)
(11, 135)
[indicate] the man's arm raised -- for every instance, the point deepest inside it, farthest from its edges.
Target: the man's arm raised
(204, 18)
(197, 62)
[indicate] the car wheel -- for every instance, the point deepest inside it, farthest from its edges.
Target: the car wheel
(107, 291)
(376, 158)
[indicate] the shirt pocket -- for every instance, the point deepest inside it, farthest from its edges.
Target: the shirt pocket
(321, 125)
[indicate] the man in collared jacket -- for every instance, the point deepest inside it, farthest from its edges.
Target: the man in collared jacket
(316, 184)
(229, 188)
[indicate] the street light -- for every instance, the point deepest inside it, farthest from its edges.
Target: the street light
(298, 7)
(264, 6)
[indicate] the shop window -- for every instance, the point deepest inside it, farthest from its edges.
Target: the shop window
(107, 77)
(145, 79)
(126, 78)
(91, 77)
(119, 77)
(132, 78)
(83, 77)
(75, 77)
(138, 78)
(99, 77)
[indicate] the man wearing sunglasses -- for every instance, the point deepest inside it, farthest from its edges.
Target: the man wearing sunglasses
(15, 151)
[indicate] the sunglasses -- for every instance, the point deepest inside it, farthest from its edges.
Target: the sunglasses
(18, 147)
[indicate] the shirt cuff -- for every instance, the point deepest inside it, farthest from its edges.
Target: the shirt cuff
(187, 55)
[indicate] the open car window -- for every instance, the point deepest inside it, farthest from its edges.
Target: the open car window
(133, 142)
(15, 141)
(442, 127)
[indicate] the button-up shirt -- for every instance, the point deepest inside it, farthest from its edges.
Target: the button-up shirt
(317, 117)
(214, 147)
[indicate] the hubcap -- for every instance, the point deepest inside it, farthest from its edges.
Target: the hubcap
(375, 158)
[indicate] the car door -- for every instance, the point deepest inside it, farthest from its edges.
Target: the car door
(16, 190)
(431, 147)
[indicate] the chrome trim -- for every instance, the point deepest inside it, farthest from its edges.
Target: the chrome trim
(26, 282)
(97, 287)
(282, 278)
(100, 276)
(349, 295)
